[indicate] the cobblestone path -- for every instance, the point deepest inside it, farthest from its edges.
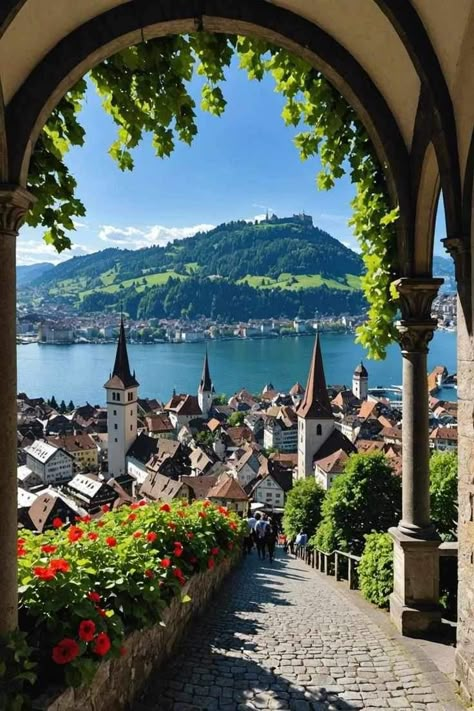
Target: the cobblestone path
(284, 637)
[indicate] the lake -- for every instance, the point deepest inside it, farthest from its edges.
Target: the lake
(78, 372)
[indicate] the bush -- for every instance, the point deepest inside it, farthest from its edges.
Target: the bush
(366, 497)
(303, 508)
(84, 588)
(376, 569)
(444, 493)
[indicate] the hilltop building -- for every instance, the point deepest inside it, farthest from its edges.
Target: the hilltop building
(122, 396)
(318, 437)
(206, 389)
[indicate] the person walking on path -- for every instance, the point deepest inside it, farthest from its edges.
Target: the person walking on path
(249, 538)
(271, 534)
(260, 532)
(301, 541)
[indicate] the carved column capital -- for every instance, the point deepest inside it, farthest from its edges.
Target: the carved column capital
(458, 248)
(14, 205)
(416, 327)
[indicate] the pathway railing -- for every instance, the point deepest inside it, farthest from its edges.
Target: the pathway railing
(342, 565)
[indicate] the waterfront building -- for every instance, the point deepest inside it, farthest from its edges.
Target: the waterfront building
(360, 382)
(122, 395)
(82, 448)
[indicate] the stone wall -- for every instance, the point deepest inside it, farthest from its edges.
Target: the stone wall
(465, 632)
(119, 681)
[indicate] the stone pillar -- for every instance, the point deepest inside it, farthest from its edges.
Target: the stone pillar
(414, 602)
(14, 204)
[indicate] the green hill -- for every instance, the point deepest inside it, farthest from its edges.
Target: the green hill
(285, 264)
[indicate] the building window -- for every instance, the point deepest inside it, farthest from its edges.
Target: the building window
(131, 427)
(115, 412)
(319, 430)
(116, 439)
(130, 397)
(131, 413)
(115, 427)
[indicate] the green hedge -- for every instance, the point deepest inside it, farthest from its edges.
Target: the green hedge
(376, 568)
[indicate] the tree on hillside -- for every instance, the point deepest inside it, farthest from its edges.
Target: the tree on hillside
(71, 406)
(52, 402)
(62, 407)
(303, 508)
(366, 497)
(444, 493)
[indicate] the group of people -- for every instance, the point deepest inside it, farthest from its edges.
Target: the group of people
(263, 534)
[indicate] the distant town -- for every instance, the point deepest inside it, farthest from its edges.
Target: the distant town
(243, 451)
(61, 326)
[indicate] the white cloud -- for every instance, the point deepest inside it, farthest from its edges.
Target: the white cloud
(32, 251)
(135, 238)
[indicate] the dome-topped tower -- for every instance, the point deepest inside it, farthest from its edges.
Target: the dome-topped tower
(360, 382)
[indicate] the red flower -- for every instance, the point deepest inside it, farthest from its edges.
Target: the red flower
(233, 525)
(206, 504)
(87, 630)
(74, 534)
(149, 573)
(65, 651)
(92, 536)
(100, 524)
(49, 549)
(210, 563)
(172, 526)
(165, 563)
(178, 573)
(215, 551)
(57, 522)
(102, 644)
(142, 502)
(105, 508)
(151, 537)
(181, 514)
(44, 573)
(94, 596)
(190, 535)
(138, 534)
(193, 560)
(21, 541)
(86, 519)
(223, 510)
(111, 541)
(134, 505)
(101, 612)
(59, 564)
(178, 549)
(20, 552)
(165, 507)
(202, 514)
(131, 517)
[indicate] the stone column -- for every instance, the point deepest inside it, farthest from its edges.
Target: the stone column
(14, 204)
(414, 602)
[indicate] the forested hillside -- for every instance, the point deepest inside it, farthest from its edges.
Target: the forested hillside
(276, 267)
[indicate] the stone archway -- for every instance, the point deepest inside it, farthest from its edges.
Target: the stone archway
(419, 152)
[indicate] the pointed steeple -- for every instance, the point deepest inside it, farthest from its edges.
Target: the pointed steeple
(316, 403)
(121, 376)
(205, 386)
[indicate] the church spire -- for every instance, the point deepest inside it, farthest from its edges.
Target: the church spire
(121, 375)
(316, 403)
(206, 384)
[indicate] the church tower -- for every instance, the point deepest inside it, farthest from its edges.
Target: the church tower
(205, 390)
(360, 382)
(122, 393)
(315, 418)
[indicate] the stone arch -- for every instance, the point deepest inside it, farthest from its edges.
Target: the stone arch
(429, 187)
(125, 25)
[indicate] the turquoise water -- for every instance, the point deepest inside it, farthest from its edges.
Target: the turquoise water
(78, 372)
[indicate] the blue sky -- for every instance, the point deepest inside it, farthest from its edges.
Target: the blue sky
(238, 166)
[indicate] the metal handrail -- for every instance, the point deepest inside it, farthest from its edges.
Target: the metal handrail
(321, 560)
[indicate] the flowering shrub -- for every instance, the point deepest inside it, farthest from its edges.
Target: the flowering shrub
(83, 588)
